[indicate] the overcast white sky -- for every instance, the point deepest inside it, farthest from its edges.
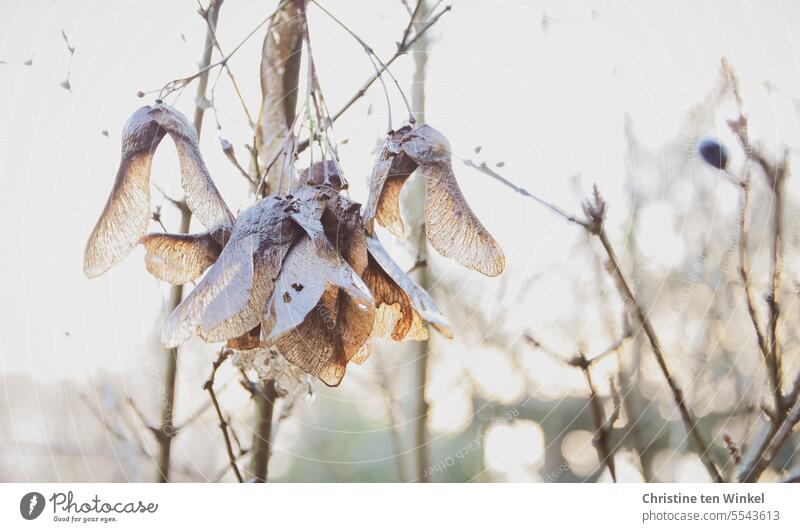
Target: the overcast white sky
(547, 99)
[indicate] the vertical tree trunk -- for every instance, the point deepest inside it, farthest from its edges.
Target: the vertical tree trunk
(264, 399)
(419, 53)
(166, 433)
(280, 77)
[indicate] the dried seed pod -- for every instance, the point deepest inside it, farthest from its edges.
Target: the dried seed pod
(127, 212)
(279, 76)
(452, 228)
(323, 173)
(229, 301)
(321, 313)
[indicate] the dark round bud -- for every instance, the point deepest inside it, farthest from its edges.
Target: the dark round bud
(713, 153)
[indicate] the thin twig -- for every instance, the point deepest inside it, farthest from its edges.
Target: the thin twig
(223, 424)
(776, 442)
(635, 309)
(205, 13)
(177, 84)
(167, 431)
(595, 212)
(603, 425)
(402, 48)
(370, 52)
(603, 432)
(519, 190)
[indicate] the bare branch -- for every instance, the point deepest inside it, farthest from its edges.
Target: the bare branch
(223, 424)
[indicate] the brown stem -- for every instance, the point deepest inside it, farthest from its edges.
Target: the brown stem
(635, 309)
(223, 424)
(419, 48)
(773, 298)
(744, 267)
(264, 398)
(775, 174)
(176, 293)
(402, 48)
(774, 444)
(602, 434)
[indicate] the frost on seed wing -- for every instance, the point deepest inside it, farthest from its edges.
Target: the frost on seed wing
(452, 228)
(127, 211)
(403, 306)
(180, 258)
(280, 67)
(229, 300)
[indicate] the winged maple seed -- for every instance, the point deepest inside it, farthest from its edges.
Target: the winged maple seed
(298, 274)
(452, 228)
(126, 214)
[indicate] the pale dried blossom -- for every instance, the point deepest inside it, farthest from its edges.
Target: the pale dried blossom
(270, 366)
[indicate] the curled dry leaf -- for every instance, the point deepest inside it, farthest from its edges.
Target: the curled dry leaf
(280, 70)
(452, 228)
(127, 211)
(229, 300)
(403, 306)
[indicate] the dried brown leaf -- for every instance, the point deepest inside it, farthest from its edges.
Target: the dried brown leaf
(279, 71)
(323, 173)
(127, 211)
(314, 346)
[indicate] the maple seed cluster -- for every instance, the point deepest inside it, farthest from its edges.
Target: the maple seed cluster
(303, 273)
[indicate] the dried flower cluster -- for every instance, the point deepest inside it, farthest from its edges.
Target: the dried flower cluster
(303, 273)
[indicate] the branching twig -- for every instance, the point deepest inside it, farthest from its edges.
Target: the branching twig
(595, 212)
(635, 309)
(223, 424)
(521, 191)
(206, 14)
(177, 84)
(603, 425)
(402, 48)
